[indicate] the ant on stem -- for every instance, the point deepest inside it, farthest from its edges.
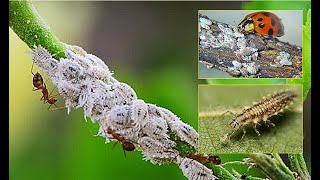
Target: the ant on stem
(126, 145)
(204, 159)
(38, 84)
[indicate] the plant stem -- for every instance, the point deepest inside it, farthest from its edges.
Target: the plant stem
(299, 165)
(221, 172)
(29, 26)
(269, 166)
(282, 165)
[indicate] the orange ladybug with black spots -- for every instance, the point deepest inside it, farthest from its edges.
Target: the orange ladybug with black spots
(263, 23)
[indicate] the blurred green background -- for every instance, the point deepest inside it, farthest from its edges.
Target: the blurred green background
(152, 46)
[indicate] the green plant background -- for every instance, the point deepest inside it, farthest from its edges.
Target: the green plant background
(149, 45)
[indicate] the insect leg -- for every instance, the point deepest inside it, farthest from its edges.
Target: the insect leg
(35, 89)
(56, 107)
(49, 106)
(229, 113)
(124, 151)
(244, 133)
(255, 129)
(269, 123)
(32, 68)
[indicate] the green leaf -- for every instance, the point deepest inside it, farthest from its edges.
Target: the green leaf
(214, 100)
(306, 59)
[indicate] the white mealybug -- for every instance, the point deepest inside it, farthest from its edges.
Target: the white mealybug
(96, 68)
(168, 115)
(155, 151)
(156, 127)
(97, 99)
(154, 110)
(44, 60)
(70, 71)
(124, 93)
(194, 170)
(130, 133)
(166, 142)
(161, 157)
(75, 49)
(185, 132)
(140, 112)
(120, 117)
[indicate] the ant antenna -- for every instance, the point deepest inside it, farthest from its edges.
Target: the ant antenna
(32, 68)
(229, 113)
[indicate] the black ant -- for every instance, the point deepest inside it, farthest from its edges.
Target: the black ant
(38, 84)
(204, 159)
(126, 145)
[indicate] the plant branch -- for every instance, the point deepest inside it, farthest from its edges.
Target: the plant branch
(269, 167)
(221, 46)
(298, 165)
(282, 165)
(30, 27)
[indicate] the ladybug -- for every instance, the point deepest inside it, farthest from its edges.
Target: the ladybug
(263, 23)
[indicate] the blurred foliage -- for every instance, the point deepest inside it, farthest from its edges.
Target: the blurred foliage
(304, 5)
(306, 53)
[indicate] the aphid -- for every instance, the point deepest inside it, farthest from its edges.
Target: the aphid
(205, 159)
(263, 23)
(126, 145)
(40, 85)
(261, 112)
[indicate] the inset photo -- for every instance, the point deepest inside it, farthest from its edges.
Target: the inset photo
(250, 43)
(250, 119)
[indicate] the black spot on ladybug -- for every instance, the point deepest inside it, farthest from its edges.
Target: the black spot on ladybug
(273, 22)
(266, 14)
(259, 19)
(261, 25)
(270, 32)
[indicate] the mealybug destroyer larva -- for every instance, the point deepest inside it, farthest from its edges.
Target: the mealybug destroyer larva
(261, 111)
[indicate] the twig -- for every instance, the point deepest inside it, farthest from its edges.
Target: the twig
(221, 46)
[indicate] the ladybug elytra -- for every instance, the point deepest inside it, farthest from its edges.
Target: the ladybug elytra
(262, 22)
